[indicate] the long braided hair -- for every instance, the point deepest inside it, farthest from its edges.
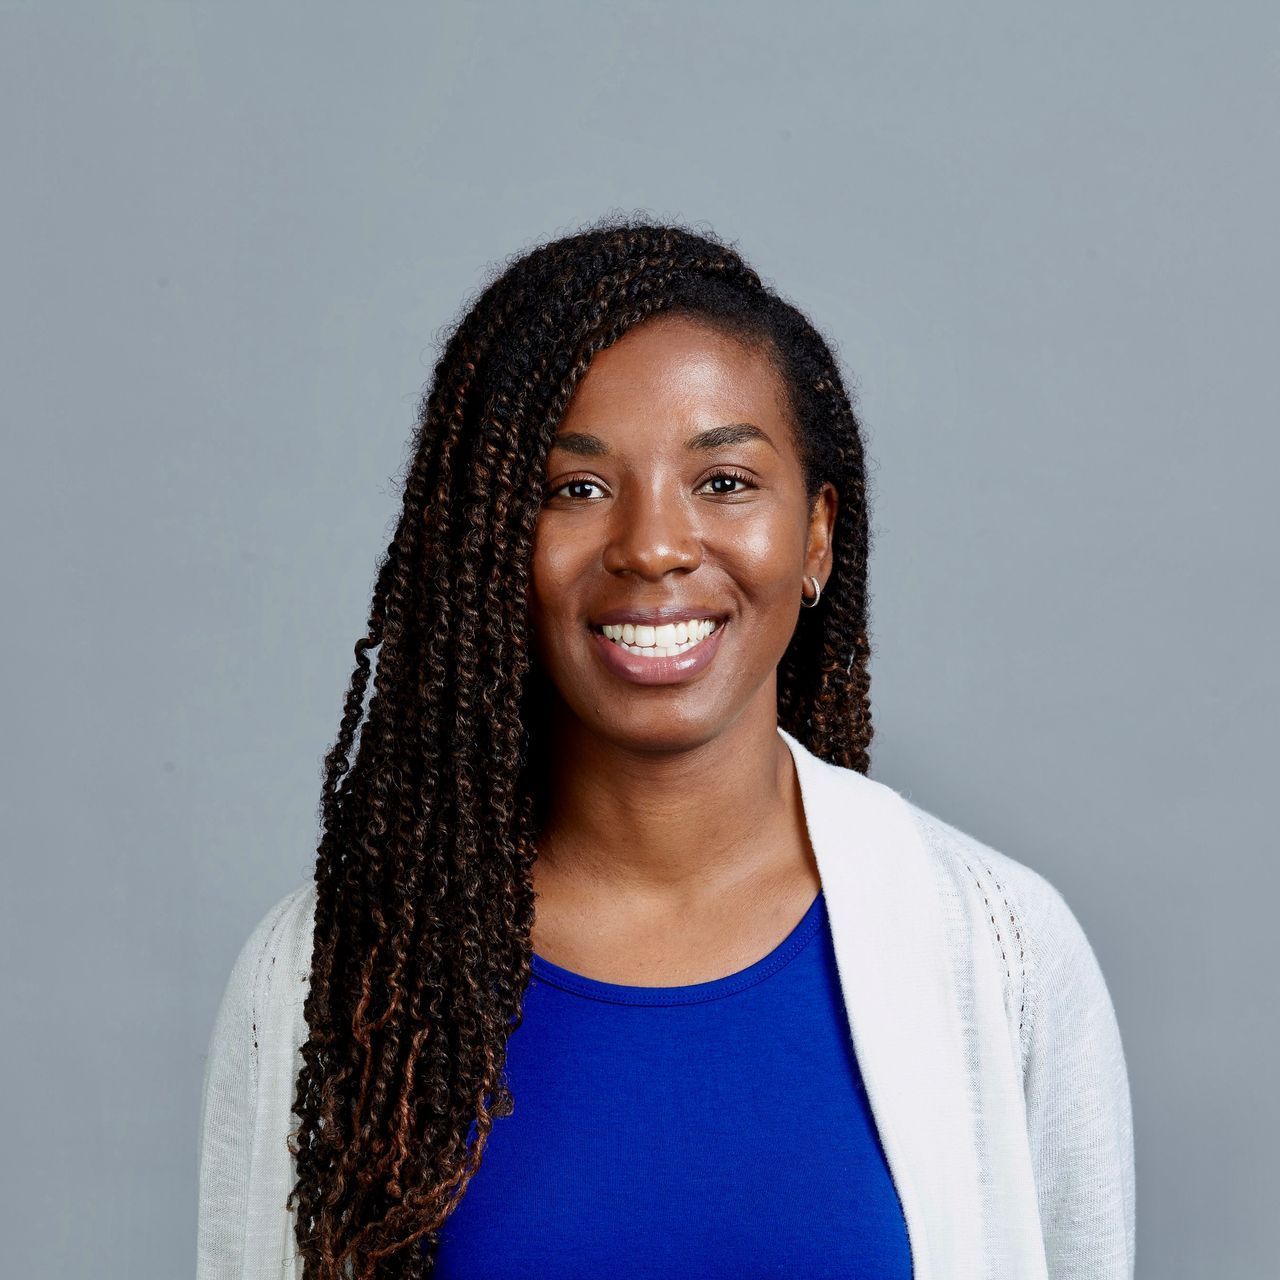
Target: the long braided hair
(431, 807)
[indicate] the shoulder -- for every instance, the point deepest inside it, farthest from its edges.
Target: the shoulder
(283, 932)
(1036, 934)
(1018, 887)
(273, 962)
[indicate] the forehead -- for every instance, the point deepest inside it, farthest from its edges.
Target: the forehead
(676, 372)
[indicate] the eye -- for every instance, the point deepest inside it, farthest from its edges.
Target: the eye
(576, 482)
(730, 475)
(579, 482)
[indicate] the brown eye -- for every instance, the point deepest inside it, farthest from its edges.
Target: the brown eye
(730, 475)
(575, 482)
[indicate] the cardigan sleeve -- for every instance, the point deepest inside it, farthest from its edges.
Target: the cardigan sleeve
(228, 1112)
(1079, 1113)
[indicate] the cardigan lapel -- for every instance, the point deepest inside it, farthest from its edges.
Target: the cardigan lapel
(889, 936)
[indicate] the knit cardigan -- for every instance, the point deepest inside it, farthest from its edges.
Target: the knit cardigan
(981, 1022)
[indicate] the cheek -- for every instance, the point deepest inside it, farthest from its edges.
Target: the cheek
(553, 570)
(766, 559)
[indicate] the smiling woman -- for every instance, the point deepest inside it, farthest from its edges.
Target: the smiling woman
(615, 960)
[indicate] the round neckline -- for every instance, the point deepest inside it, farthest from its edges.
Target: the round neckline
(690, 993)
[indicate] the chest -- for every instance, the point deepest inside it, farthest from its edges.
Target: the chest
(655, 1133)
(622, 940)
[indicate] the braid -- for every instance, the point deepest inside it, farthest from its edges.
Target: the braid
(430, 804)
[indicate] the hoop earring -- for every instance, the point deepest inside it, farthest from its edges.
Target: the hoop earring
(805, 602)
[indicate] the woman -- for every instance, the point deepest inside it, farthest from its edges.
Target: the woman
(615, 960)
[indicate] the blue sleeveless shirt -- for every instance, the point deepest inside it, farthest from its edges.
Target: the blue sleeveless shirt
(719, 1129)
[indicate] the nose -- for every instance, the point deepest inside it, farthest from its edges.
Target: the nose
(651, 534)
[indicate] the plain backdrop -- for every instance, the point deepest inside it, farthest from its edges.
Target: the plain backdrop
(1043, 241)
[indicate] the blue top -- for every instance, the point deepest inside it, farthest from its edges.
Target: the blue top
(719, 1129)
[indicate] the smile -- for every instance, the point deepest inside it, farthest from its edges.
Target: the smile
(669, 654)
(666, 641)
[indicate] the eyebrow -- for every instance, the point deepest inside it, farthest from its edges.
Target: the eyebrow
(586, 445)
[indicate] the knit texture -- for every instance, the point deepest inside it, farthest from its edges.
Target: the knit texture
(1078, 1121)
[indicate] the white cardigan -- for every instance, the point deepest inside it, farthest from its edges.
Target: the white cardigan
(981, 1022)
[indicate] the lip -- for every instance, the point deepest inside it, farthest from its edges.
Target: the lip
(632, 667)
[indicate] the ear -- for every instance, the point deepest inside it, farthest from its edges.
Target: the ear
(819, 549)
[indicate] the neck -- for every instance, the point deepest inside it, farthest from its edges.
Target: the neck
(665, 823)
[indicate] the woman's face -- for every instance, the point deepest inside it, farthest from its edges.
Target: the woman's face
(674, 492)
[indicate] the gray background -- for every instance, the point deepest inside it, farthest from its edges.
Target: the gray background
(1043, 239)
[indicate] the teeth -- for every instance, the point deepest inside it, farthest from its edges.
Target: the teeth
(660, 642)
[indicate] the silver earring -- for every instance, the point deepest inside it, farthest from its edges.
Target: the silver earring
(817, 593)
